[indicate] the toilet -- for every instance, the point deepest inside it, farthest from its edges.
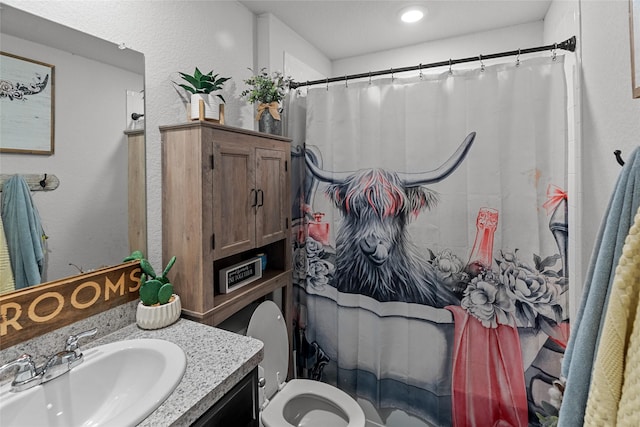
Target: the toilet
(297, 402)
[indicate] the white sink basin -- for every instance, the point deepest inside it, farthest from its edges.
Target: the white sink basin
(118, 384)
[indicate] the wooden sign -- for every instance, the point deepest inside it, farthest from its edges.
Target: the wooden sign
(241, 274)
(31, 312)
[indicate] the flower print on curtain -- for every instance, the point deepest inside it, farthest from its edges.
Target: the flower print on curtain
(439, 301)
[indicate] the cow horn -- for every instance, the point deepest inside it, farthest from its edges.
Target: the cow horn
(325, 176)
(436, 175)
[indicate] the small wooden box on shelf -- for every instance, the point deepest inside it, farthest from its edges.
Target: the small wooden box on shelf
(226, 199)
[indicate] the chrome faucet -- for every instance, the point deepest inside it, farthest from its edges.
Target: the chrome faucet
(28, 375)
(62, 362)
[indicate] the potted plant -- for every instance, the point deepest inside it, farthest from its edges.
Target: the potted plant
(159, 306)
(202, 87)
(268, 90)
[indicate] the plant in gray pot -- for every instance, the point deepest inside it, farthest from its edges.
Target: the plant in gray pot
(268, 91)
(205, 105)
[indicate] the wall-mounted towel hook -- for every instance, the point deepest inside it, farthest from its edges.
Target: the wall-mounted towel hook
(35, 181)
(618, 153)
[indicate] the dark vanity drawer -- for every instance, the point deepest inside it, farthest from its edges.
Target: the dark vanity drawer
(238, 408)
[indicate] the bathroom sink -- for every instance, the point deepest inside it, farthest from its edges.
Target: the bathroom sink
(117, 384)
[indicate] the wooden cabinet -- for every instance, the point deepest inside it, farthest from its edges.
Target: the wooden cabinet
(252, 210)
(239, 407)
(225, 198)
(137, 204)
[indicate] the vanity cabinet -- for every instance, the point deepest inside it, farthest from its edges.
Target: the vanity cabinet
(225, 199)
(239, 407)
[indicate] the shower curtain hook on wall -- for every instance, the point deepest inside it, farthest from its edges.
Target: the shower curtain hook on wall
(327, 83)
(346, 81)
(481, 64)
(420, 68)
(392, 78)
(518, 59)
(450, 70)
(553, 51)
(369, 77)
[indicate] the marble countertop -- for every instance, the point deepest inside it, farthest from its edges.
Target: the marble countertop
(216, 361)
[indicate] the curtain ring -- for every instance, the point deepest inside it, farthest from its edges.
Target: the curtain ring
(420, 68)
(481, 64)
(392, 75)
(450, 70)
(346, 81)
(518, 59)
(369, 77)
(327, 83)
(553, 52)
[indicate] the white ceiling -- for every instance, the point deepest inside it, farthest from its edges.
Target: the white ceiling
(346, 28)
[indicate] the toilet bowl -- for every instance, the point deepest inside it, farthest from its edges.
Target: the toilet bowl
(297, 402)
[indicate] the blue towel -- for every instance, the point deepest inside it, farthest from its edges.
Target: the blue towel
(25, 236)
(580, 353)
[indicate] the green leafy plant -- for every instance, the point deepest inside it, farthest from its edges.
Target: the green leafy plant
(203, 83)
(154, 289)
(266, 88)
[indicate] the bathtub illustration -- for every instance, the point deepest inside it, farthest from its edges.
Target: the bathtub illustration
(394, 354)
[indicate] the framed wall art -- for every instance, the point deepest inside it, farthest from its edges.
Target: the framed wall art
(634, 27)
(27, 105)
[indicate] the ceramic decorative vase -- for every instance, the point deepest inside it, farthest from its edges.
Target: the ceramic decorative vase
(210, 109)
(156, 317)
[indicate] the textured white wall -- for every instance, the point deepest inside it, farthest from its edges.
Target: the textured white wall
(174, 36)
(275, 38)
(502, 39)
(610, 116)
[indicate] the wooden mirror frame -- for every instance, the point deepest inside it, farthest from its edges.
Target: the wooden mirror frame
(31, 312)
(634, 34)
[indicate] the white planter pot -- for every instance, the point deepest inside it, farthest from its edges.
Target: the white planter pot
(211, 106)
(156, 317)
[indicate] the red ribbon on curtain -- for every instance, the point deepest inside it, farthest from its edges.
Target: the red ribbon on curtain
(488, 384)
(555, 196)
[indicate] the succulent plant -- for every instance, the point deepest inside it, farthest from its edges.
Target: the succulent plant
(203, 83)
(154, 289)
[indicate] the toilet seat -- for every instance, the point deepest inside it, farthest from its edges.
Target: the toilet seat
(273, 414)
(312, 400)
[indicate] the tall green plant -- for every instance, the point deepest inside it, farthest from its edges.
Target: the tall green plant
(203, 83)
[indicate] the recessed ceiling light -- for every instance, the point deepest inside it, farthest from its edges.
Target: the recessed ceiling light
(411, 15)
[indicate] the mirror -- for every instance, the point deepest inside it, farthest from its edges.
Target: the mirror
(96, 88)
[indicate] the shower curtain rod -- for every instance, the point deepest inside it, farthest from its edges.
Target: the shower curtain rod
(569, 45)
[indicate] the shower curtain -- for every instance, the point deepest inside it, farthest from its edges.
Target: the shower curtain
(430, 242)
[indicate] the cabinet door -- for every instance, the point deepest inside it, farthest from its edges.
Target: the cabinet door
(271, 182)
(234, 199)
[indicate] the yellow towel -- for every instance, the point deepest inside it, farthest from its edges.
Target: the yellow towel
(7, 283)
(614, 394)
